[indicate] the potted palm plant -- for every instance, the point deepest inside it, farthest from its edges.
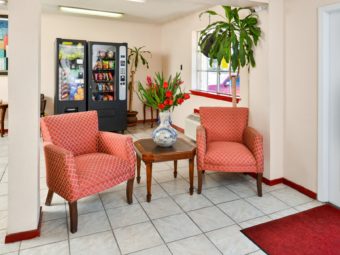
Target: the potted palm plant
(231, 39)
(136, 58)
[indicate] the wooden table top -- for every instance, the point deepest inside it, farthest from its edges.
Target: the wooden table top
(147, 150)
(3, 105)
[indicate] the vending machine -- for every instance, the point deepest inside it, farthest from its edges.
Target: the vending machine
(93, 76)
(70, 93)
(107, 84)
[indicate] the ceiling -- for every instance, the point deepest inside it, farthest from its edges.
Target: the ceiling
(152, 11)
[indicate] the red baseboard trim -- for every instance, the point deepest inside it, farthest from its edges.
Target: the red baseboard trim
(267, 181)
(300, 188)
(289, 183)
(179, 129)
(20, 236)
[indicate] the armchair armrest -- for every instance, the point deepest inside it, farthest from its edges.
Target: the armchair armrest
(117, 145)
(254, 141)
(201, 141)
(61, 174)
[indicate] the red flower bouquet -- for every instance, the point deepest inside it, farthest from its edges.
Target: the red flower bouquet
(162, 94)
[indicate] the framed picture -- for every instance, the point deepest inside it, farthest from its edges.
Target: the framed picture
(3, 44)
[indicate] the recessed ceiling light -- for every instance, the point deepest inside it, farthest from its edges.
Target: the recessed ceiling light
(3, 2)
(90, 12)
(137, 1)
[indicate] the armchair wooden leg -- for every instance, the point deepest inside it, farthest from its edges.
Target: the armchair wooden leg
(175, 168)
(199, 184)
(73, 216)
(49, 197)
(129, 190)
(259, 184)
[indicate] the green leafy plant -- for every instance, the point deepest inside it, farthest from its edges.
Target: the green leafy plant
(231, 39)
(137, 56)
(162, 94)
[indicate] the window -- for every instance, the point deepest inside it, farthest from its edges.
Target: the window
(215, 78)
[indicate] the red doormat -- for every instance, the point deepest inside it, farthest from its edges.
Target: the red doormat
(312, 232)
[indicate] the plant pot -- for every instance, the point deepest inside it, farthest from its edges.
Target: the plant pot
(164, 135)
(132, 118)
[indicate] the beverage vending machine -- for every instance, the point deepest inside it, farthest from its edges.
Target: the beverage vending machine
(70, 93)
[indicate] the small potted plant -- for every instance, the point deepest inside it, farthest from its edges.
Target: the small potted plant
(136, 58)
(163, 95)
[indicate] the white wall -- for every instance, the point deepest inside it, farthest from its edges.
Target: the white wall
(177, 48)
(259, 105)
(300, 148)
(92, 29)
(24, 114)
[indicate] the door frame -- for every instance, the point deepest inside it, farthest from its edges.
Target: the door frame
(323, 100)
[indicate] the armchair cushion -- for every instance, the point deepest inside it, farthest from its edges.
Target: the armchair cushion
(224, 123)
(73, 131)
(100, 171)
(231, 155)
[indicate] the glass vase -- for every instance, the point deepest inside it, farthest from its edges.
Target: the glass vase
(164, 135)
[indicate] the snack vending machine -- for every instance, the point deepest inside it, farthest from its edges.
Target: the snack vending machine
(71, 76)
(107, 84)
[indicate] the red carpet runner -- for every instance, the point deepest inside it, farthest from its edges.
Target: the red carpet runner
(313, 232)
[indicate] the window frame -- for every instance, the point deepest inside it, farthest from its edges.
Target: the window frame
(196, 89)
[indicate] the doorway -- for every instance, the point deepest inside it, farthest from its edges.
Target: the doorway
(329, 105)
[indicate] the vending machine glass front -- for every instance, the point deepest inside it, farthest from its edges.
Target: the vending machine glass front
(71, 71)
(103, 73)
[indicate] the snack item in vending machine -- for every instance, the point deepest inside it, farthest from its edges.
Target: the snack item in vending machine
(99, 76)
(110, 54)
(99, 64)
(102, 54)
(110, 77)
(100, 87)
(105, 64)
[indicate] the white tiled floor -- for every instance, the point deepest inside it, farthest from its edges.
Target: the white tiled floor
(173, 223)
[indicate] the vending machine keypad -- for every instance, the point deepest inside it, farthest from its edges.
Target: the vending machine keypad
(122, 73)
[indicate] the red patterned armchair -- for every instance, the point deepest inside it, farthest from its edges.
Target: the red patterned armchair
(225, 143)
(81, 160)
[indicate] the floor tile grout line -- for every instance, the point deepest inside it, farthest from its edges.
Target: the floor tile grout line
(41, 245)
(145, 249)
(236, 223)
(311, 199)
(261, 209)
(151, 221)
(202, 232)
(114, 236)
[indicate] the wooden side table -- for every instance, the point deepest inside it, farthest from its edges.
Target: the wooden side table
(152, 120)
(149, 152)
(3, 108)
